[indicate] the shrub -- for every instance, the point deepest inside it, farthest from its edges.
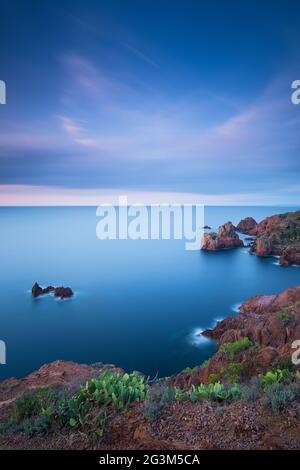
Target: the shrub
(235, 392)
(205, 364)
(159, 397)
(234, 371)
(213, 378)
(187, 369)
(37, 426)
(235, 347)
(277, 376)
(33, 403)
(284, 316)
(111, 389)
(278, 396)
(252, 391)
(212, 392)
(115, 389)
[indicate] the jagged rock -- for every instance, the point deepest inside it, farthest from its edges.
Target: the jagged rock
(225, 238)
(62, 292)
(279, 235)
(290, 255)
(36, 290)
(247, 226)
(260, 321)
(271, 303)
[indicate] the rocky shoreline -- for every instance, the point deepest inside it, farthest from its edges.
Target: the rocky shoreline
(278, 235)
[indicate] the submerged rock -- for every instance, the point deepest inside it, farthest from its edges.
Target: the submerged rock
(225, 238)
(62, 292)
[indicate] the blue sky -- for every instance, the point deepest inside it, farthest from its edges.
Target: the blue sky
(172, 98)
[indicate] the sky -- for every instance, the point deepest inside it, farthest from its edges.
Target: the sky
(171, 101)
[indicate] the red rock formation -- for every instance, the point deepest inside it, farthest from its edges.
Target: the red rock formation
(225, 238)
(279, 235)
(247, 226)
(58, 374)
(62, 292)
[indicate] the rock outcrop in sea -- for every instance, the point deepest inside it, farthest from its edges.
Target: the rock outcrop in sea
(62, 292)
(226, 238)
(247, 226)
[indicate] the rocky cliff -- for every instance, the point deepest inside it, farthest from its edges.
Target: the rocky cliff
(279, 235)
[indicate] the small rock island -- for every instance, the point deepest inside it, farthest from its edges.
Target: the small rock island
(61, 292)
(226, 238)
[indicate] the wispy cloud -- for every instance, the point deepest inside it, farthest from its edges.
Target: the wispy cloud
(70, 125)
(141, 55)
(28, 195)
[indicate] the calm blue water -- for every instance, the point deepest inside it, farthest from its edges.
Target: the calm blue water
(137, 303)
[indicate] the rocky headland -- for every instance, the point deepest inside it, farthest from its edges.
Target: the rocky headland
(278, 235)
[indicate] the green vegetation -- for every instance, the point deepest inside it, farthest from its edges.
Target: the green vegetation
(278, 376)
(89, 407)
(235, 347)
(158, 398)
(212, 392)
(33, 403)
(251, 391)
(114, 389)
(234, 371)
(284, 316)
(293, 215)
(88, 410)
(111, 389)
(278, 396)
(205, 364)
(213, 378)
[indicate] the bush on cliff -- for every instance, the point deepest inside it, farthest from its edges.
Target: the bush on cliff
(279, 396)
(159, 397)
(33, 403)
(252, 391)
(235, 347)
(284, 317)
